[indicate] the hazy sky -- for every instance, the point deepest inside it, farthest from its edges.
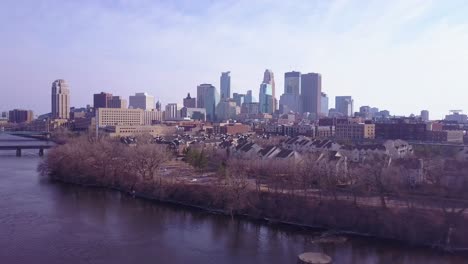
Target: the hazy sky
(403, 56)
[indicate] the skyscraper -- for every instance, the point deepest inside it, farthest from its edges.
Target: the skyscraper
(60, 100)
(425, 115)
(269, 78)
(324, 104)
(344, 105)
(249, 97)
(291, 99)
(208, 98)
(265, 98)
(292, 83)
(225, 81)
(238, 98)
(311, 92)
(142, 101)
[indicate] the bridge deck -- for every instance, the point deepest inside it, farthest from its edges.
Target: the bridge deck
(14, 147)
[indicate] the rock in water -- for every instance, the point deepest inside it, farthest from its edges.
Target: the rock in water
(314, 258)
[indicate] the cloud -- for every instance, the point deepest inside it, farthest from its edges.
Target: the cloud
(404, 56)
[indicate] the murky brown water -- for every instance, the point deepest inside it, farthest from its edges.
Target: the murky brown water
(44, 222)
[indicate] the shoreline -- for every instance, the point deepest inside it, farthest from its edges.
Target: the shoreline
(266, 220)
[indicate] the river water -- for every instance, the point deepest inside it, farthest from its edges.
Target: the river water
(46, 222)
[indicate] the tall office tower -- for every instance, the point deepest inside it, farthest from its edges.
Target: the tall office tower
(239, 98)
(249, 97)
(311, 93)
(225, 81)
(116, 102)
(269, 78)
(425, 115)
(324, 104)
(344, 105)
(172, 112)
(158, 106)
(208, 98)
(60, 100)
(265, 98)
(142, 101)
(291, 99)
(190, 102)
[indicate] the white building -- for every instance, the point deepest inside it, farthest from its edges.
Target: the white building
(172, 112)
(151, 117)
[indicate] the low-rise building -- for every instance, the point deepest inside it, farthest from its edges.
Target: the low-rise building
(355, 131)
(118, 116)
(125, 131)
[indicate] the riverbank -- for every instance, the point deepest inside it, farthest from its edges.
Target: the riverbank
(301, 214)
(138, 170)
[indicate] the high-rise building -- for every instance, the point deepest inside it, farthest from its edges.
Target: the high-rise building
(324, 104)
(249, 98)
(265, 98)
(225, 81)
(425, 115)
(20, 116)
(292, 82)
(291, 100)
(141, 101)
(172, 112)
(269, 78)
(311, 92)
(227, 109)
(208, 98)
(60, 100)
(344, 105)
(239, 98)
(190, 102)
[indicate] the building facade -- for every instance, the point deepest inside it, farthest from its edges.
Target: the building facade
(324, 104)
(142, 101)
(172, 112)
(208, 98)
(118, 116)
(344, 105)
(238, 98)
(60, 100)
(190, 102)
(425, 115)
(20, 116)
(354, 131)
(265, 98)
(311, 93)
(152, 117)
(225, 82)
(269, 78)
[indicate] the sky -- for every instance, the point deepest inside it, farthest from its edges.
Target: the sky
(399, 55)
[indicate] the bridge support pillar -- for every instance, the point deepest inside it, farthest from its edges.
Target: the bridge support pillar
(41, 152)
(18, 152)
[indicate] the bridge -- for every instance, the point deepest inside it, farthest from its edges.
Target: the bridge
(29, 134)
(19, 148)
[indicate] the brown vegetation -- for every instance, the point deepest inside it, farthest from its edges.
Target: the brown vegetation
(372, 197)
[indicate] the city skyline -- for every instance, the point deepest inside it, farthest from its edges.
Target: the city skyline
(381, 57)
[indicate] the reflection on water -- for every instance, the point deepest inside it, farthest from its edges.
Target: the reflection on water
(44, 222)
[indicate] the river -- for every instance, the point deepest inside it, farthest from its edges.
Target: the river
(47, 222)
